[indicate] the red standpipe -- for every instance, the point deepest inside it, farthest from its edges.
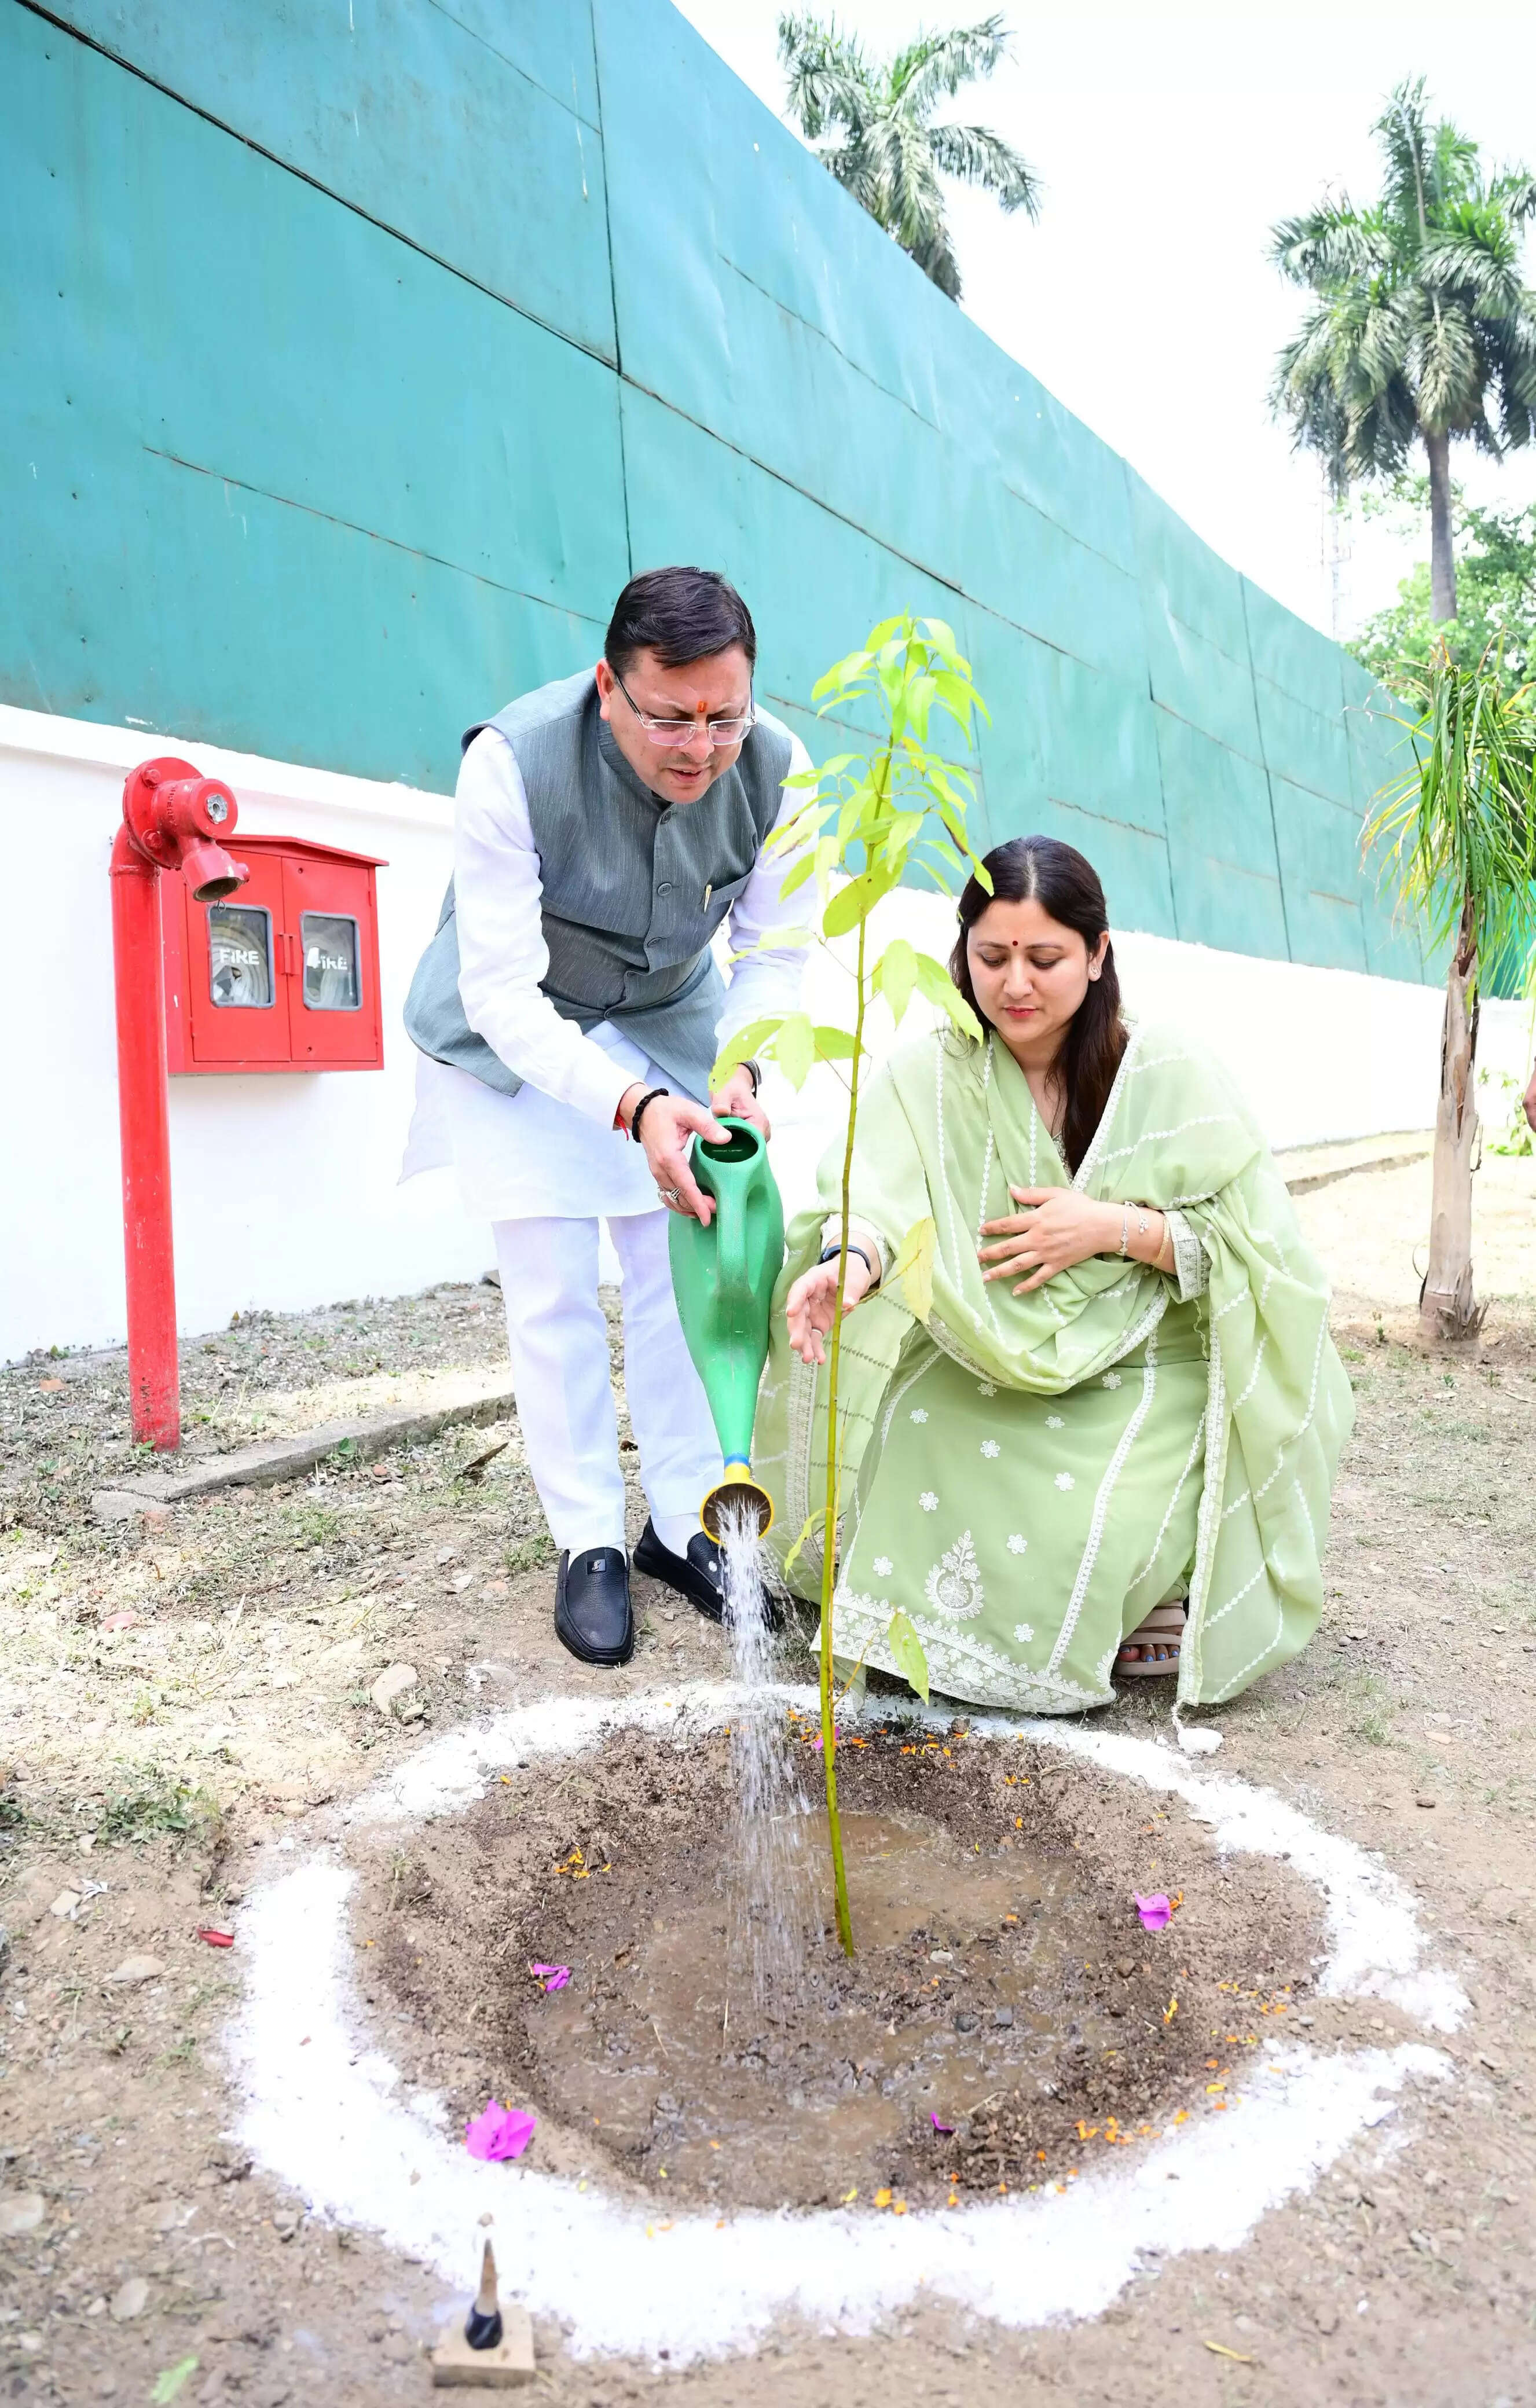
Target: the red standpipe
(171, 818)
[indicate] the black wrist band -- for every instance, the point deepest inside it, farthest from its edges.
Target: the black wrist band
(830, 1253)
(754, 1072)
(648, 1098)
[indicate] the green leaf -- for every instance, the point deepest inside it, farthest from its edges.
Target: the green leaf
(833, 1044)
(747, 1042)
(854, 902)
(774, 941)
(806, 1528)
(905, 1645)
(913, 1266)
(904, 827)
(842, 675)
(941, 635)
(896, 974)
(936, 982)
(796, 874)
(169, 2382)
(793, 1047)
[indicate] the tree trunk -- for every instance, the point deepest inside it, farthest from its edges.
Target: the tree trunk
(1441, 556)
(1446, 1300)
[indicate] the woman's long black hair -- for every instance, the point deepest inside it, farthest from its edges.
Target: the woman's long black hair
(1041, 870)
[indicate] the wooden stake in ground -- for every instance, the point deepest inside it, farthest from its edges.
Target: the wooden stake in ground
(495, 2347)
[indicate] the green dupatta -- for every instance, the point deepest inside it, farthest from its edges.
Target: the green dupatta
(943, 1129)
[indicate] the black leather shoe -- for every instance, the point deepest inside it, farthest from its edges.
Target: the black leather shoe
(695, 1575)
(592, 1612)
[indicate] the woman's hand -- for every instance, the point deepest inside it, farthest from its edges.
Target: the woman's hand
(1057, 1228)
(811, 1303)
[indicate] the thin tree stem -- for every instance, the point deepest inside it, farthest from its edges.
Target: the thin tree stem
(829, 1526)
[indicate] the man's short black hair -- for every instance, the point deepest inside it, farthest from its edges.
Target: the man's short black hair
(680, 614)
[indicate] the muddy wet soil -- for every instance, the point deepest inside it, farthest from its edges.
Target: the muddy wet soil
(1003, 2007)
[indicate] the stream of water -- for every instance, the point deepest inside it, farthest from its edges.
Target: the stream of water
(769, 1868)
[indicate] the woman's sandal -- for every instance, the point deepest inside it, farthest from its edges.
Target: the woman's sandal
(1158, 1637)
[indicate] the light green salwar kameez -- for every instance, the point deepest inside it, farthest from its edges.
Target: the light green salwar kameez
(1029, 1475)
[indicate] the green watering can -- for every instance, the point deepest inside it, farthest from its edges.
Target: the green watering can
(724, 1277)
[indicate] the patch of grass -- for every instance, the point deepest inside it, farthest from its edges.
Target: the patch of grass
(154, 1801)
(313, 1526)
(1373, 1730)
(528, 1555)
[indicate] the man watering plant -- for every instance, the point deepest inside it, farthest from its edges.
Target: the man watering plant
(568, 1010)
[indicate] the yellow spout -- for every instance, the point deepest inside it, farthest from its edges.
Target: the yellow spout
(739, 1494)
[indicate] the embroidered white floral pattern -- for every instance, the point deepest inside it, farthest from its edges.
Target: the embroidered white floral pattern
(920, 1413)
(1065, 1479)
(884, 1567)
(1112, 1379)
(954, 1584)
(928, 1501)
(1054, 1421)
(990, 1446)
(986, 1387)
(1024, 1632)
(1017, 1542)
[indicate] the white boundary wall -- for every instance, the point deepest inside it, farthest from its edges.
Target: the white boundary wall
(286, 1186)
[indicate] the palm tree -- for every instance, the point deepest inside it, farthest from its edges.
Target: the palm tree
(1460, 831)
(872, 123)
(1423, 327)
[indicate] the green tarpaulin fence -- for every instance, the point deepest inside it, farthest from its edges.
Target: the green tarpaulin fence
(355, 355)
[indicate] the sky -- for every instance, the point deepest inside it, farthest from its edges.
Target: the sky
(1169, 138)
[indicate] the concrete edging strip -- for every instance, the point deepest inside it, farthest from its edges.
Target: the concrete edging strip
(486, 1397)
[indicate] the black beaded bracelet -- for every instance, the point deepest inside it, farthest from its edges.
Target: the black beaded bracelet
(754, 1072)
(648, 1098)
(830, 1253)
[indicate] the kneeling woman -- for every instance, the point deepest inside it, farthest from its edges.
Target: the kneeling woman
(1114, 1431)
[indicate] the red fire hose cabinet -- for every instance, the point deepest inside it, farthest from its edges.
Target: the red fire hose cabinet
(283, 974)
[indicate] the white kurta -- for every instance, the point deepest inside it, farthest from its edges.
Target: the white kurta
(551, 1150)
(546, 1164)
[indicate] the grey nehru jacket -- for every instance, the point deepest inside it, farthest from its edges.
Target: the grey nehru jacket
(633, 888)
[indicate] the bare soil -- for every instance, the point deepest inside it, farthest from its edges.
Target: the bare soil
(1003, 1997)
(177, 1692)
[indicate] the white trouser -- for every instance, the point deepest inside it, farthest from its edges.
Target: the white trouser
(558, 1338)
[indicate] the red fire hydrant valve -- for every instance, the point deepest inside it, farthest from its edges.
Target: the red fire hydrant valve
(172, 820)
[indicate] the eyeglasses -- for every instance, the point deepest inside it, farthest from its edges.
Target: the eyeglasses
(674, 733)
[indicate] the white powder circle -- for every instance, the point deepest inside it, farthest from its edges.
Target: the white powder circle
(326, 2112)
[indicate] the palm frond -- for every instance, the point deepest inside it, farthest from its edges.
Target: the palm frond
(1515, 194)
(1481, 266)
(1329, 243)
(870, 124)
(1460, 828)
(830, 79)
(934, 66)
(973, 154)
(1449, 385)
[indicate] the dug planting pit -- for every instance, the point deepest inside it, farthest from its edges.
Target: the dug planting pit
(1006, 2019)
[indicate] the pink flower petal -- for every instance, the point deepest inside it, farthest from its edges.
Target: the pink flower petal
(1155, 1912)
(499, 2133)
(552, 1977)
(937, 2126)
